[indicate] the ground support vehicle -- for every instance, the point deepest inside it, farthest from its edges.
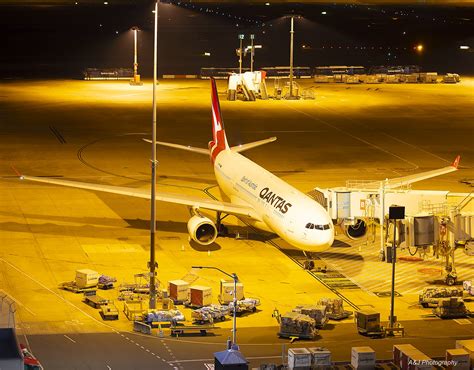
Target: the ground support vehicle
(368, 323)
(210, 314)
(109, 312)
(71, 286)
(176, 330)
(244, 305)
(94, 300)
(106, 282)
(430, 297)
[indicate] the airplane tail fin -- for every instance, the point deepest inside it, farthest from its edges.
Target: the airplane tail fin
(219, 140)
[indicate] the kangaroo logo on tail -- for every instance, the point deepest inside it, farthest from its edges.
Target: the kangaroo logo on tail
(219, 140)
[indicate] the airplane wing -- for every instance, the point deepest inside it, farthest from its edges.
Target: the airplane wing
(191, 201)
(406, 180)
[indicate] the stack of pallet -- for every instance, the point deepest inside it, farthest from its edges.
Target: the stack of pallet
(298, 325)
(451, 308)
(317, 313)
(334, 308)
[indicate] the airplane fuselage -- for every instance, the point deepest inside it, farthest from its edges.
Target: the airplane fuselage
(284, 210)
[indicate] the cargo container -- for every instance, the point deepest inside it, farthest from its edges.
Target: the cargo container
(226, 294)
(362, 358)
(457, 359)
(299, 358)
(199, 296)
(86, 278)
(468, 346)
(320, 358)
(178, 290)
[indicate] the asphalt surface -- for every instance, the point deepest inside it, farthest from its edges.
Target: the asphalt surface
(92, 132)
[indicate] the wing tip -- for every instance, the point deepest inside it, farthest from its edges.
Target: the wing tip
(455, 164)
(20, 176)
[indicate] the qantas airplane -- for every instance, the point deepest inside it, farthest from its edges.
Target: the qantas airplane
(252, 193)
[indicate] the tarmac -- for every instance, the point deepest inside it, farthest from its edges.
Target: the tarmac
(92, 131)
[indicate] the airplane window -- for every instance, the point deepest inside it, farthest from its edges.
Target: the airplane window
(318, 227)
(308, 225)
(311, 226)
(326, 227)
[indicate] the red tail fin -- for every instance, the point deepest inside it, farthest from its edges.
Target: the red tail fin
(219, 140)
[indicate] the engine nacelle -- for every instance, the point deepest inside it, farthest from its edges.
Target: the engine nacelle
(355, 229)
(202, 230)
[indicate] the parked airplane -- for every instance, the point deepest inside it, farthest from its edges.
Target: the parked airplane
(252, 193)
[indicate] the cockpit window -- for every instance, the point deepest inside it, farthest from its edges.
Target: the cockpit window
(311, 226)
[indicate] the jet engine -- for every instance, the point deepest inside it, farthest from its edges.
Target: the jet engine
(355, 229)
(202, 230)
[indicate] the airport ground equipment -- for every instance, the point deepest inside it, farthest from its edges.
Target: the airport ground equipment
(363, 358)
(71, 286)
(178, 291)
(30, 361)
(459, 356)
(199, 296)
(368, 323)
(92, 299)
(468, 287)
(179, 329)
(430, 297)
(451, 308)
(451, 78)
(106, 282)
(133, 310)
(317, 313)
(250, 85)
(320, 358)
(226, 293)
(86, 278)
(245, 305)
(109, 312)
(299, 358)
(157, 316)
(468, 346)
(334, 308)
(296, 325)
(210, 314)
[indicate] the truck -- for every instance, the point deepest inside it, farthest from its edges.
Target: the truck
(209, 314)
(430, 297)
(244, 305)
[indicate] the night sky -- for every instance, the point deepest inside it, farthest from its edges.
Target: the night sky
(62, 40)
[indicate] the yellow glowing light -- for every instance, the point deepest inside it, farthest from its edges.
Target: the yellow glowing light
(419, 48)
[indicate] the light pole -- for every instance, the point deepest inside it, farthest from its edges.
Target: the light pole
(292, 31)
(136, 77)
(135, 58)
(252, 36)
(241, 37)
(152, 265)
(394, 213)
(236, 279)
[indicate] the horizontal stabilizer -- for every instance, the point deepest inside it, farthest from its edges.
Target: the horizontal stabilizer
(244, 147)
(183, 147)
